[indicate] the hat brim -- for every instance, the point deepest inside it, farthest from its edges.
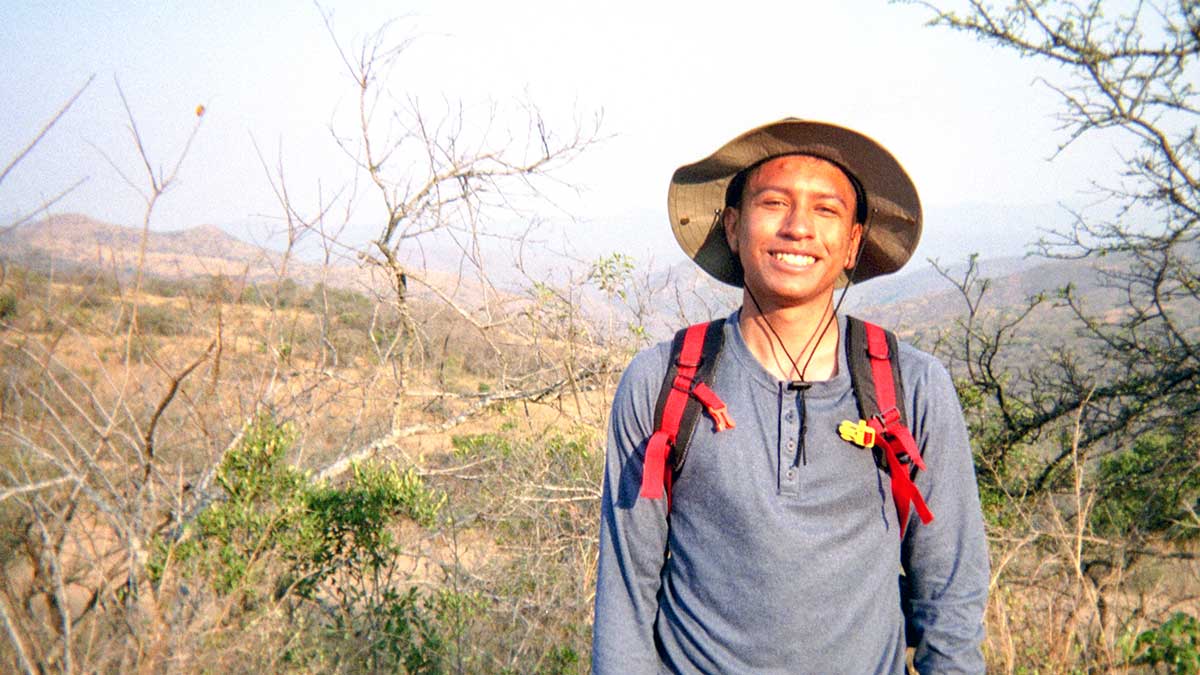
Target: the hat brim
(696, 197)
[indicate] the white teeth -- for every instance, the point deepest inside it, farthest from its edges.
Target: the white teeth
(794, 259)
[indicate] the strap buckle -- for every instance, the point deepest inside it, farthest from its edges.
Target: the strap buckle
(888, 420)
(714, 405)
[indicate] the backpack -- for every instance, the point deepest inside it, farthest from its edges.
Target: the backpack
(873, 357)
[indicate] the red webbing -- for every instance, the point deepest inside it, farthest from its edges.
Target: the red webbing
(655, 465)
(893, 437)
(881, 367)
(659, 447)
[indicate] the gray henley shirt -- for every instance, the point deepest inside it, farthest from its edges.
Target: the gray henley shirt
(782, 553)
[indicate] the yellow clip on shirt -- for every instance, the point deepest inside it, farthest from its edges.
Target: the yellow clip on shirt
(858, 433)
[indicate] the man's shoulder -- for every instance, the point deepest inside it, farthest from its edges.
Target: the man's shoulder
(925, 375)
(639, 385)
(650, 363)
(643, 377)
(918, 357)
(918, 365)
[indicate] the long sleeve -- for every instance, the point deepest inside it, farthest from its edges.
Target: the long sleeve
(946, 562)
(633, 531)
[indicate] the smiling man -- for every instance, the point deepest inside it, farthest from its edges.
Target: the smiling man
(785, 543)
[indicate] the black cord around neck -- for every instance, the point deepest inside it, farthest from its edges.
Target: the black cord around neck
(796, 368)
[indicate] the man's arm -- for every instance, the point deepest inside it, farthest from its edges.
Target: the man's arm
(633, 531)
(946, 562)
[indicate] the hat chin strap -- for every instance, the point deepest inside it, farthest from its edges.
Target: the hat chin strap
(862, 246)
(796, 367)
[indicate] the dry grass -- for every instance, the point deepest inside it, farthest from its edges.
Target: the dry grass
(504, 575)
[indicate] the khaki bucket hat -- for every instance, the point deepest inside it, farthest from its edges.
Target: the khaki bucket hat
(892, 222)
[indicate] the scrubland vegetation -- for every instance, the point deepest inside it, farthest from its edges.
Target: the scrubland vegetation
(213, 474)
(173, 498)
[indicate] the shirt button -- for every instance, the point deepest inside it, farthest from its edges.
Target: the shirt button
(791, 445)
(790, 417)
(791, 474)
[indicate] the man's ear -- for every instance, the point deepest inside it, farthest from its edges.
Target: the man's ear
(856, 232)
(729, 219)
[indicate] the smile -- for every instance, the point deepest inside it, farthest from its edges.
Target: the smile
(794, 259)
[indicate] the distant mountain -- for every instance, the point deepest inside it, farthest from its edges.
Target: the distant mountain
(906, 301)
(79, 241)
(919, 279)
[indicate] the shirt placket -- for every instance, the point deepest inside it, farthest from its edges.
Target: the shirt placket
(791, 426)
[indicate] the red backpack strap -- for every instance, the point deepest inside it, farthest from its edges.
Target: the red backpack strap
(685, 392)
(874, 354)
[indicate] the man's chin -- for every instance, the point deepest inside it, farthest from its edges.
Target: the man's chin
(775, 297)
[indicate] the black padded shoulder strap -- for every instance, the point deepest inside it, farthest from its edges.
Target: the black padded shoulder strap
(714, 340)
(861, 378)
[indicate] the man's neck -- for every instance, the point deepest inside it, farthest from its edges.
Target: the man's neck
(807, 335)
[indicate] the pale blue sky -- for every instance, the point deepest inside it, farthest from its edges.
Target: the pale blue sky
(674, 81)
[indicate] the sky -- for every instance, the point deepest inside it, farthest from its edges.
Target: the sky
(670, 82)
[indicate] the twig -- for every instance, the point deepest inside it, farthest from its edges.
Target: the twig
(46, 129)
(12, 492)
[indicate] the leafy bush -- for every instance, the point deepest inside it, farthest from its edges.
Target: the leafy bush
(480, 445)
(8, 305)
(164, 320)
(1150, 488)
(333, 549)
(536, 495)
(281, 295)
(1174, 644)
(263, 501)
(346, 528)
(350, 309)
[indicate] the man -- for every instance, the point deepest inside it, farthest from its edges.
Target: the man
(780, 550)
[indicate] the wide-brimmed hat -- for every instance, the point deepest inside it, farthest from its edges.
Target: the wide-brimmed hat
(893, 210)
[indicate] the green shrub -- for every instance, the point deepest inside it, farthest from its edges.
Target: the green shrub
(1174, 644)
(263, 502)
(480, 445)
(1149, 488)
(281, 295)
(8, 306)
(164, 320)
(347, 528)
(334, 549)
(560, 661)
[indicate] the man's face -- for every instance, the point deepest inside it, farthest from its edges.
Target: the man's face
(794, 231)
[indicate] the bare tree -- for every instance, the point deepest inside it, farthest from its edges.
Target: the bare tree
(439, 179)
(20, 156)
(1130, 75)
(84, 462)
(1096, 429)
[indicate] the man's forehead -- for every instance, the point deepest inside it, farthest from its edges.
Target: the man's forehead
(781, 164)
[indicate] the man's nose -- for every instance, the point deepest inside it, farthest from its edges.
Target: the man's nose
(797, 223)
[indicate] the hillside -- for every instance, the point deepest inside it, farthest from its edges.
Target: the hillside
(75, 241)
(916, 292)
(681, 293)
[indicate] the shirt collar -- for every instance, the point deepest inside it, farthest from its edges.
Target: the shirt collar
(749, 367)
